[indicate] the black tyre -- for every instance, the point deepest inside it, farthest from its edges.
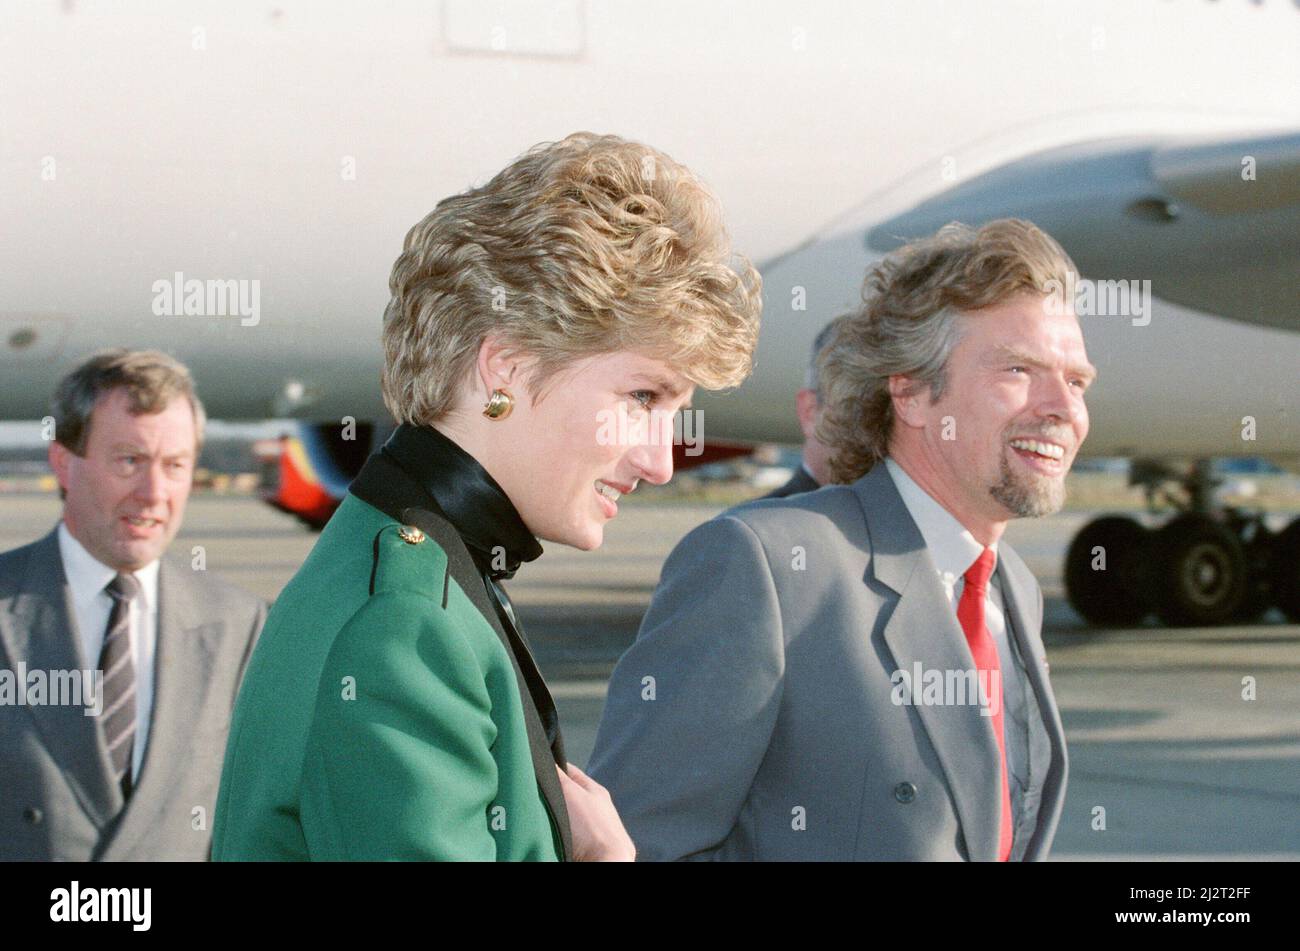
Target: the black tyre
(1258, 548)
(1114, 596)
(1284, 571)
(1200, 572)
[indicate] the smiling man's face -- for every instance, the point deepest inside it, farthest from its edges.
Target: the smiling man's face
(126, 492)
(1000, 441)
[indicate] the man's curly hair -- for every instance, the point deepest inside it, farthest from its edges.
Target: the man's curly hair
(907, 326)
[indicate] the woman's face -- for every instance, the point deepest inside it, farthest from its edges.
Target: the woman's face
(603, 424)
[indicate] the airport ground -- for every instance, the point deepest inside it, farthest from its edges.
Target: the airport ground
(1159, 734)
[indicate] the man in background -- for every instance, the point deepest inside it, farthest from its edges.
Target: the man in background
(813, 471)
(127, 766)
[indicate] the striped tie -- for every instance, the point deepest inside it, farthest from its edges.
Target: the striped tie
(118, 717)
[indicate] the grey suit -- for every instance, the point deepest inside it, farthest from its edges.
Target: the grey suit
(59, 801)
(754, 719)
(800, 481)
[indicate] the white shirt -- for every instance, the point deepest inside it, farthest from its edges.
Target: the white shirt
(953, 549)
(92, 605)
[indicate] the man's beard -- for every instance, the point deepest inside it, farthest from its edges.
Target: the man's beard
(1028, 496)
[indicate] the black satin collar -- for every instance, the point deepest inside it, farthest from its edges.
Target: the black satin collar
(469, 498)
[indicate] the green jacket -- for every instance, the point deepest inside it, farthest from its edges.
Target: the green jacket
(382, 715)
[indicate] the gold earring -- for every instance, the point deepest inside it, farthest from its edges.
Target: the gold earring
(499, 405)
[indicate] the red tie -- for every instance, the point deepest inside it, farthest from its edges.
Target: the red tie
(970, 612)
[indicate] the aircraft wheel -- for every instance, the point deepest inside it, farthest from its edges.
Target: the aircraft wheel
(1113, 596)
(1258, 598)
(1200, 572)
(1285, 571)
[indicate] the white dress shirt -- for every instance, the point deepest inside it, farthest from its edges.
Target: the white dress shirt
(953, 549)
(92, 605)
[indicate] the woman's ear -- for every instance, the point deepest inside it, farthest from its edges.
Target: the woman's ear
(503, 366)
(497, 365)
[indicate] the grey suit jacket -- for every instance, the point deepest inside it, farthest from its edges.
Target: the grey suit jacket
(57, 798)
(801, 481)
(754, 716)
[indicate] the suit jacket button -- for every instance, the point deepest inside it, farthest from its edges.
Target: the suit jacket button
(905, 792)
(33, 815)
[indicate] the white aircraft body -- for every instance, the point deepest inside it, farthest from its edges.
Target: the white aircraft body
(276, 153)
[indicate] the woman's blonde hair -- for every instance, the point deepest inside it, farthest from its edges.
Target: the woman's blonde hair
(907, 325)
(580, 247)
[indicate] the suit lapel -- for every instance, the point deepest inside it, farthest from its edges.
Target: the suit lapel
(185, 649)
(922, 630)
(41, 632)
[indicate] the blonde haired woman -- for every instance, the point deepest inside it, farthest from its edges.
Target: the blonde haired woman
(392, 708)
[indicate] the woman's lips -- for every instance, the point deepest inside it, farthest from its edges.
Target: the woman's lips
(609, 506)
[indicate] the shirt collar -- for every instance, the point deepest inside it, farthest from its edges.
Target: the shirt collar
(468, 497)
(951, 545)
(88, 576)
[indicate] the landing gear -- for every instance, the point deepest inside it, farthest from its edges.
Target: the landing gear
(1208, 565)
(1284, 574)
(1199, 571)
(1104, 572)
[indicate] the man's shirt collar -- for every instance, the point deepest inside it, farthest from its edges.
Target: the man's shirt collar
(952, 547)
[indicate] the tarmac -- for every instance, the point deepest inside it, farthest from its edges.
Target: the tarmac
(1159, 734)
